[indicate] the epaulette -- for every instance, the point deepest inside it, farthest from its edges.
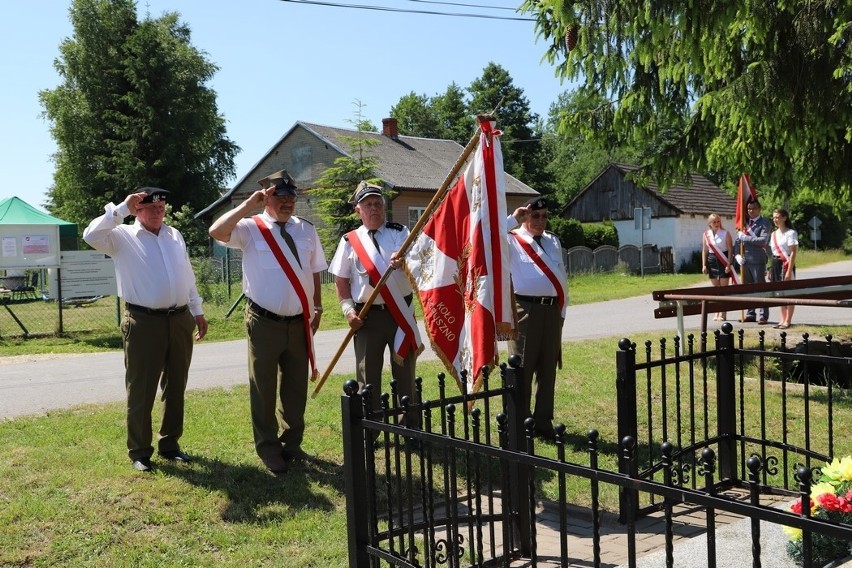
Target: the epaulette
(302, 219)
(550, 232)
(392, 225)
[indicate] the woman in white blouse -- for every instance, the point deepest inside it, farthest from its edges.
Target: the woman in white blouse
(716, 252)
(784, 244)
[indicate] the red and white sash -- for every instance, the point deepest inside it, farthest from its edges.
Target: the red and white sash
(287, 261)
(720, 256)
(407, 334)
(544, 263)
(778, 251)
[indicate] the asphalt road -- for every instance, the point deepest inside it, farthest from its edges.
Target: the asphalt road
(41, 383)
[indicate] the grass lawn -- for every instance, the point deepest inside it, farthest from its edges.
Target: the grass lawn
(68, 496)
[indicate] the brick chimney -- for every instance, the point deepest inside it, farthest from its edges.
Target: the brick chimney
(390, 128)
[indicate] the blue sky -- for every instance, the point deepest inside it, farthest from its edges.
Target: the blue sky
(279, 62)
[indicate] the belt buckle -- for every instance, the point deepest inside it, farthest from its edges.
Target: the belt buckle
(547, 301)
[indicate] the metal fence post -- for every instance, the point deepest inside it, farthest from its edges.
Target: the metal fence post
(517, 412)
(726, 405)
(625, 360)
(354, 475)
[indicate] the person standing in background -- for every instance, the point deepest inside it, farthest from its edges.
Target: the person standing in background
(162, 308)
(717, 255)
(785, 245)
(755, 240)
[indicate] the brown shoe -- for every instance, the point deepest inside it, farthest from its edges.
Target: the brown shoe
(762, 321)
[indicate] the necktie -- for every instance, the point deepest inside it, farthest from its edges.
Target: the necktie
(372, 233)
(289, 240)
(537, 239)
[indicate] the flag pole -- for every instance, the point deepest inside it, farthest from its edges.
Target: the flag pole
(415, 232)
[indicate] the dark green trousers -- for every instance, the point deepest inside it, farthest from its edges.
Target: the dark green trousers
(539, 344)
(278, 383)
(371, 342)
(157, 353)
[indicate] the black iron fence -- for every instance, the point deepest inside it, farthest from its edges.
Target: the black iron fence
(465, 489)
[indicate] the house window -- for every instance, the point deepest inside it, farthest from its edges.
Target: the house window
(414, 213)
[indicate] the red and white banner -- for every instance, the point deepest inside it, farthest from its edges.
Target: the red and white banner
(745, 195)
(459, 266)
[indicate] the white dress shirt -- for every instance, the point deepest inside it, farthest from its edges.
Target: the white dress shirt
(264, 281)
(151, 270)
(346, 264)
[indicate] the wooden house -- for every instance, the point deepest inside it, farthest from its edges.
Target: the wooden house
(678, 215)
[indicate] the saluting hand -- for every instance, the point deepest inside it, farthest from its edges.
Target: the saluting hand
(521, 213)
(257, 200)
(133, 200)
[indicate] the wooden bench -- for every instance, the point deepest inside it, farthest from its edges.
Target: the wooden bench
(834, 291)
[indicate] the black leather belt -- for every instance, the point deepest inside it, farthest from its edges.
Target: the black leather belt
(270, 315)
(153, 312)
(543, 300)
(384, 306)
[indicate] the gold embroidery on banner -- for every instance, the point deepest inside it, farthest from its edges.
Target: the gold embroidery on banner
(427, 265)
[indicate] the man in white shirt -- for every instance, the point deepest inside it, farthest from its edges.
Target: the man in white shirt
(540, 283)
(361, 259)
(162, 308)
(282, 261)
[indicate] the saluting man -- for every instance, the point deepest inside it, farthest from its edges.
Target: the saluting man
(362, 257)
(162, 308)
(540, 282)
(282, 261)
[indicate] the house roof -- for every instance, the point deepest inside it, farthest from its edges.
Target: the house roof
(404, 163)
(702, 196)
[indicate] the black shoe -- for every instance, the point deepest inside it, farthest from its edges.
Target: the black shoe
(548, 434)
(751, 319)
(176, 455)
(142, 464)
(298, 455)
(275, 464)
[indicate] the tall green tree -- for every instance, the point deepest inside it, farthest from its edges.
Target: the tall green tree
(577, 155)
(762, 86)
(457, 122)
(416, 116)
(133, 109)
(522, 150)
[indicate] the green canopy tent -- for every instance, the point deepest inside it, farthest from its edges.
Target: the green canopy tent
(16, 211)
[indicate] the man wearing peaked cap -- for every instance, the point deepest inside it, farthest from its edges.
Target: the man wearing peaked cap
(364, 190)
(281, 181)
(540, 282)
(162, 307)
(282, 261)
(361, 258)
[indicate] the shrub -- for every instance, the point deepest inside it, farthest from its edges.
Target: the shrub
(569, 231)
(600, 234)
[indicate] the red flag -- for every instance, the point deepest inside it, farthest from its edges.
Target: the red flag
(460, 266)
(745, 195)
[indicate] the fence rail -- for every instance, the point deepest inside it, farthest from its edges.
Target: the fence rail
(464, 490)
